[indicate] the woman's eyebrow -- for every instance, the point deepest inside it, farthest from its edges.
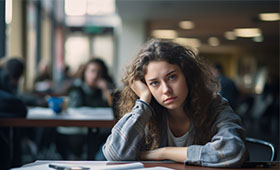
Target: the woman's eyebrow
(170, 72)
(153, 79)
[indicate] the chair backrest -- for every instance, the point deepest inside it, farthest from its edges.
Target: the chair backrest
(260, 150)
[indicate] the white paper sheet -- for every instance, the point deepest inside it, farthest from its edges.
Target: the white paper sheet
(101, 113)
(45, 166)
(40, 112)
(81, 113)
(155, 168)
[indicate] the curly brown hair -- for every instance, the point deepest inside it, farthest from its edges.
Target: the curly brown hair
(202, 85)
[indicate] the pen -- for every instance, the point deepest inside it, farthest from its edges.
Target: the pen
(65, 167)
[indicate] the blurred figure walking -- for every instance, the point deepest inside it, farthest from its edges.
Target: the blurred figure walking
(228, 87)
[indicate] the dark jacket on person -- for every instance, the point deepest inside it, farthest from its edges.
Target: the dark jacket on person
(81, 94)
(10, 104)
(229, 90)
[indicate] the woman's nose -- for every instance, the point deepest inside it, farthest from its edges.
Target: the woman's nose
(166, 88)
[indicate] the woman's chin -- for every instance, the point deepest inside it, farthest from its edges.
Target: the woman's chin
(171, 106)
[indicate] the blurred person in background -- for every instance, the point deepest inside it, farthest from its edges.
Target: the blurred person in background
(92, 89)
(228, 87)
(10, 106)
(263, 115)
(65, 81)
(66, 73)
(43, 81)
(10, 74)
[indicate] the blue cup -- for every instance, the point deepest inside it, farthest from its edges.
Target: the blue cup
(56, 104)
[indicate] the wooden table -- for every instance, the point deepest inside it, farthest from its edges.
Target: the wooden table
(44, 117)
(179, 166)
(147, 164)
(78, 117)
(23, 122)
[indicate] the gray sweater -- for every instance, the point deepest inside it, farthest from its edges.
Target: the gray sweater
(225, 149)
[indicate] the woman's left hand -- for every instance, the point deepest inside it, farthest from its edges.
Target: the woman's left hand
(155, 155)
(102, 84)
(141, 90)
(177, 154)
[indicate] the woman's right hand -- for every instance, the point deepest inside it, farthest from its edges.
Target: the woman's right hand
(141, 90)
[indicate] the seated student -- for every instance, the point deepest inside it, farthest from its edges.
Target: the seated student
(171, 110)
(10, 106)
(93, 89)
(10, 74)
(43, 84)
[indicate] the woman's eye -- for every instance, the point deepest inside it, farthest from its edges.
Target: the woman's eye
(172, 77)
(154, 83)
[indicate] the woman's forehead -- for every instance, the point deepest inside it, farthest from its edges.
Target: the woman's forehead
(159, 68)
(94, 66)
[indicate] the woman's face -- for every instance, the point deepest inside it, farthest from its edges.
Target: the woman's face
(92, 74)
(167, 84)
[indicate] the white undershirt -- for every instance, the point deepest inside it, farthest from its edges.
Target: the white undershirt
(176, 141)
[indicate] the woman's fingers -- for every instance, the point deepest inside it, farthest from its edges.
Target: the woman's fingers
(141, 90)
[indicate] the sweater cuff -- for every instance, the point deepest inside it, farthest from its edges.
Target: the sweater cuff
(194, 155)
(143, 109)
(146, 104)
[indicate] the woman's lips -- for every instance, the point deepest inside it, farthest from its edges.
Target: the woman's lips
(169, 100)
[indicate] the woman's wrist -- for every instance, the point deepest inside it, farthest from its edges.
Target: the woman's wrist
(178, 154)
(107, 96)
(163, 155)
(146, 97)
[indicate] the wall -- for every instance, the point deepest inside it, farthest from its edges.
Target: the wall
(131, 37)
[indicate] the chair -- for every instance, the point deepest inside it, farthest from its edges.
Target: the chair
(260, 150)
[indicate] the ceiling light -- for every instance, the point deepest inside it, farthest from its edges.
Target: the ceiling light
(75, 8)
(97, 7)
(192, 42)
(213, 41)
(164, 34)
(186, 24)
(230, 35)
(269, 16)
(247, 32)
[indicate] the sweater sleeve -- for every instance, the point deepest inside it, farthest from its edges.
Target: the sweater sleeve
(127, 136)
(226, 148)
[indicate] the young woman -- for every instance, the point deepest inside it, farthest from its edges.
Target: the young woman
(94, 87)
(170, 110)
